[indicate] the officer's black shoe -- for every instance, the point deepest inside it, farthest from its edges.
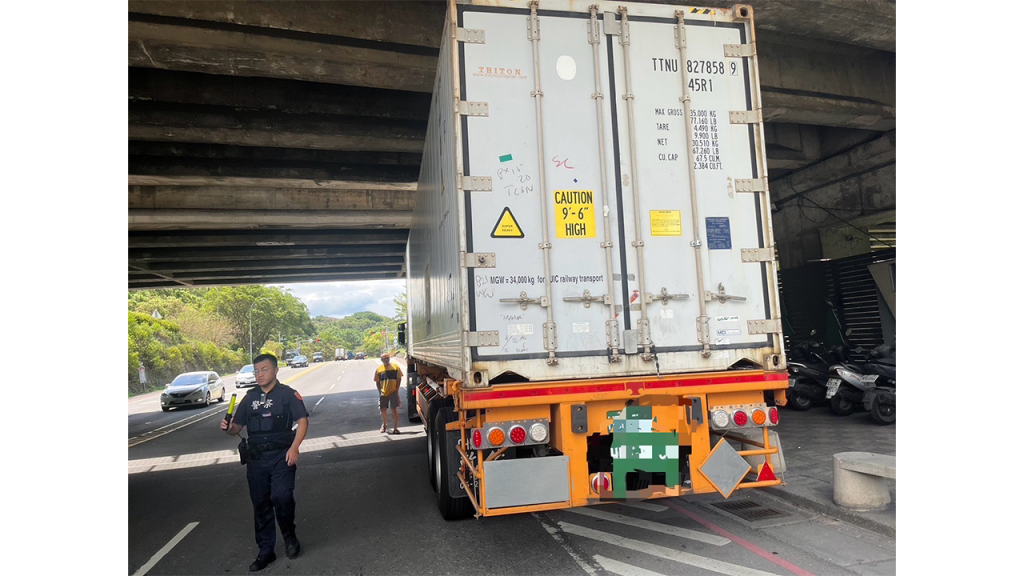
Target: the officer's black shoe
(292, 548)
(261, 562)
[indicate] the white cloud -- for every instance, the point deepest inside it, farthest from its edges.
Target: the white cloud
(340, 299)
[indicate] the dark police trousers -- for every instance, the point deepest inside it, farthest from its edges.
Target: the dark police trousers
(272, 490)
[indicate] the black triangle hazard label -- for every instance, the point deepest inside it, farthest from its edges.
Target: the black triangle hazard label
(506, 226)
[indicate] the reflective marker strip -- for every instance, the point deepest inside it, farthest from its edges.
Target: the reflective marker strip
(619, 387)
(167, 548)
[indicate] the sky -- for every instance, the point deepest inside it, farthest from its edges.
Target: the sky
(340, 299)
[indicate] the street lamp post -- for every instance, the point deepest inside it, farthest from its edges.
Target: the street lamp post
(250, 325)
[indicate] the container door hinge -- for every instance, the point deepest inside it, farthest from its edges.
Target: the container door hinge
(703, 330)
(722, 296)
(748, 185)
(742, 116)
(470, 35)
(764, 326)
(525, 300)
(757, 255)
(550, 336)
(478, 259)
(474, 108)
(477, 183)
(740, 50)
(484, 338)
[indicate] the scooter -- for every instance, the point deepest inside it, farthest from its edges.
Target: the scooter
(807, 378)
(871, 385)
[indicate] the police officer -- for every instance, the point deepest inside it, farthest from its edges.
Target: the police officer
(269, 412)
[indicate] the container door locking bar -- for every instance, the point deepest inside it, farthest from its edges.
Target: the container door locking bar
(722, 296)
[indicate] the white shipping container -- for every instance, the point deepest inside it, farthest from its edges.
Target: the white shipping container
(557, 234)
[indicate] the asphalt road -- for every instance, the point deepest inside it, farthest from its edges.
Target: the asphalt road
(364, 506)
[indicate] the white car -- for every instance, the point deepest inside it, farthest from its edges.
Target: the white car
(245, 377)
(193, 388)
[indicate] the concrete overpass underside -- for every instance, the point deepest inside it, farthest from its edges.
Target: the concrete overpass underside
(280, 142)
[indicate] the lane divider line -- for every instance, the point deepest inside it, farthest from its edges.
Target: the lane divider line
(663, 552)
(557, 535)
(648, 525)
(623, 569)
(167, 548)
(751, 547)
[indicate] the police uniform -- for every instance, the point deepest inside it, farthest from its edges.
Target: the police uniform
(269, 418)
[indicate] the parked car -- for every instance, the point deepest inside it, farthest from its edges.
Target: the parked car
(246, 377)
(297, 361)
(318, 357)
(193, 388)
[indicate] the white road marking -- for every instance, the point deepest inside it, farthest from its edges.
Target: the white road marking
(332, 387)
(646, 506)
(319, 401)
(648, 525)
(616, 567)
(142, 440)
(662, 552)
(167, 548)
(558, 538)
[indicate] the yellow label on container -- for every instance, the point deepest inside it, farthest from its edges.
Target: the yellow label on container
(574, 214)
(666, 223)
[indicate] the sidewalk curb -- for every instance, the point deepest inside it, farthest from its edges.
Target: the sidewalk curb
(832, 510)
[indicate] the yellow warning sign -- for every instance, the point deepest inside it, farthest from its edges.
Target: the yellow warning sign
(574, 214)
(666, 223)
(507, 227)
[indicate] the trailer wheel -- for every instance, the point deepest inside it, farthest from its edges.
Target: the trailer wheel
(842, 405)
(428, 426)
(451, 508)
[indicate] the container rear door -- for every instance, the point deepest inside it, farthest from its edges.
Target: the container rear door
(728, 221)
(508, 220)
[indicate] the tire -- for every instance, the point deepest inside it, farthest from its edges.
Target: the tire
(450, 508)
(842, 405)
(883, 408)
(798, 400)
(165, 408)
(223, 395)
(207, 403)
(429, 427)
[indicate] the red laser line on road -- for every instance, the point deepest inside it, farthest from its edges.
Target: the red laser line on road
(749, 546)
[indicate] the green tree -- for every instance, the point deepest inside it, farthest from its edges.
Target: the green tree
(273, 311)
(401, 307)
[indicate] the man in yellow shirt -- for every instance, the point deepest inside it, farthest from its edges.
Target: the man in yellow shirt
(387, 377)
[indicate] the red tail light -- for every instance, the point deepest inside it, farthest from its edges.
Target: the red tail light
(517, 434)
(477, 438)
(773, 415)
(739, 418)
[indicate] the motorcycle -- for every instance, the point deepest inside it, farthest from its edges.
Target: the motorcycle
(807, 378)
(871, 385)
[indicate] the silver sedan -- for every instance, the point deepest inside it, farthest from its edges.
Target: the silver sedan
(192, 388)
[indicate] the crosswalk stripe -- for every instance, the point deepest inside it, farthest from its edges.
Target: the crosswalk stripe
(662, 552)
(645, 506)
(622, 569)
(648, 525)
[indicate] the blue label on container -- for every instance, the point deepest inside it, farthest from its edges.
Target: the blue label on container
(719, 237)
